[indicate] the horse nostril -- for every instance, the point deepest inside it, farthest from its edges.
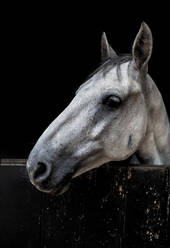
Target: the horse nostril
(40, 171)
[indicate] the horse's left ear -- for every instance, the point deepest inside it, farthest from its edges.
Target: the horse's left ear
(107, 51)
(142, 47)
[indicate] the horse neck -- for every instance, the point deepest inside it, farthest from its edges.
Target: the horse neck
(155, 147)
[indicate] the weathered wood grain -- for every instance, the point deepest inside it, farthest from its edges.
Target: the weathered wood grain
(112, 206)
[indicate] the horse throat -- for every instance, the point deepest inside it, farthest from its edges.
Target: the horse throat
(155, 146)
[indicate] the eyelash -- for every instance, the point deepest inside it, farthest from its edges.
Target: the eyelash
(112, 101)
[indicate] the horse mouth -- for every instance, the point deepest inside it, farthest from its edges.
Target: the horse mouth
(53, 189)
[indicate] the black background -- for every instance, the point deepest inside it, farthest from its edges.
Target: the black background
(47, 51)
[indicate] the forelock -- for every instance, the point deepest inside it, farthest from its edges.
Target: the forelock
(105, 67)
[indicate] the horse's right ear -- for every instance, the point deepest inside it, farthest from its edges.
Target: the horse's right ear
(142, 47)
(107, 51)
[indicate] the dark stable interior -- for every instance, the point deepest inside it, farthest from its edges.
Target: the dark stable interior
(46, 56)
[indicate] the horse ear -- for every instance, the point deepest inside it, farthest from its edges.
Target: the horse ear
(107, 51)
(142, 47)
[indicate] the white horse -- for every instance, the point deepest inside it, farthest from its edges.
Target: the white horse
(118, 113)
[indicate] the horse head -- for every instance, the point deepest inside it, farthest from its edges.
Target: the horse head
(105, 121)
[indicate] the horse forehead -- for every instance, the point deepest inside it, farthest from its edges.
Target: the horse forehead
(116, 77)
(121, 78)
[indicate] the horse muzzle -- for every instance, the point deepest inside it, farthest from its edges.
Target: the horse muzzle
(46, 179)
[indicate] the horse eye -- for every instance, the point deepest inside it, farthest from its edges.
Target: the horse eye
(112, 101)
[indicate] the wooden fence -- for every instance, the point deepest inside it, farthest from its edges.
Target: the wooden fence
(109, 207)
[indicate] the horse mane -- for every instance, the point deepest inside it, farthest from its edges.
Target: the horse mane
(106, 66)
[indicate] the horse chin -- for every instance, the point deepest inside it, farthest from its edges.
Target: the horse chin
(55, 190)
